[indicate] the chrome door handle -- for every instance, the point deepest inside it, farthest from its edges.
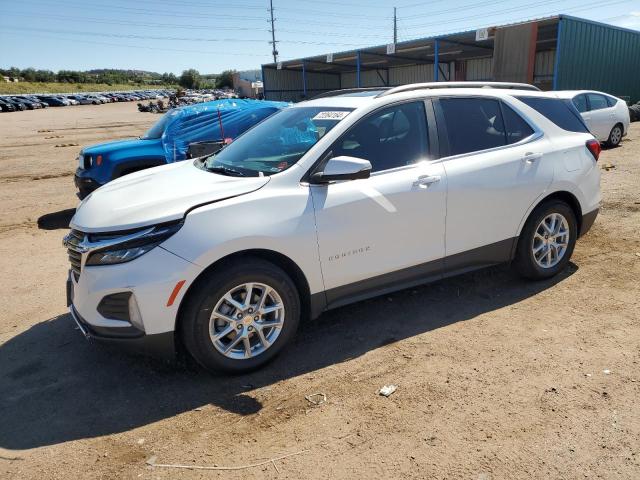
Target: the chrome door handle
(425, 180)
(531, 157)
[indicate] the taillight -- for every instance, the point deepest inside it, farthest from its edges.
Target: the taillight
(594, 147)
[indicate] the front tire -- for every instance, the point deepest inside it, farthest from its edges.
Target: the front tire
(615, 136)
(240, 316)
(547, 240)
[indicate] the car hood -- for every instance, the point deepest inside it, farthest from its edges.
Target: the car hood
(157, 195)
(109, 147)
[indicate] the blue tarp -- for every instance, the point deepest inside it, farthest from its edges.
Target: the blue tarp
(201, 122)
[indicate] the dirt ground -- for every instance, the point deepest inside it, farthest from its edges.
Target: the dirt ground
(497, 378)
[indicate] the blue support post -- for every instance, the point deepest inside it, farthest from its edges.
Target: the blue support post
(304, 79)
(556, 64)
(436, 61)
(358, 69)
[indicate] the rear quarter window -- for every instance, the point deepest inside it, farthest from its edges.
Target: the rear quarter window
(561, 112)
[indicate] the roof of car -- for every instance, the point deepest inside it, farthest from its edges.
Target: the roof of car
(350, 100)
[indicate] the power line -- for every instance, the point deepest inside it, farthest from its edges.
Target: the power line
(546, 14)
(502, 11)
(181, 26)
(171, 38)
(91, 42)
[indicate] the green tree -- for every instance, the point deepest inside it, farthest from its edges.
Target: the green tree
(190, 78)
(225, 79)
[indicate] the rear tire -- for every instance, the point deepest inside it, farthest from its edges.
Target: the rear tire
(615, 136)
(547, 240)
(225, 332)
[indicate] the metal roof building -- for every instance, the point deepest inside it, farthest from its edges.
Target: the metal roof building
(560, 52)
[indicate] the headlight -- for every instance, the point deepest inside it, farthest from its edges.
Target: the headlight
(124, 248)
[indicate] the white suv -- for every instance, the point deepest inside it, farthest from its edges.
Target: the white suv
(328, 202)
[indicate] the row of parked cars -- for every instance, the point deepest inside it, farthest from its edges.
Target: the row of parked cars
(15, 103)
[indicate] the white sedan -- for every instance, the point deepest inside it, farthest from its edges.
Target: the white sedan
(607, 117)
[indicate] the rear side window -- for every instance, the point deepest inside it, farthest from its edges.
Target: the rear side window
(611, 101)
(473, 124)
(597, 102)
(564, 115)
(581, 103)
(516, 128)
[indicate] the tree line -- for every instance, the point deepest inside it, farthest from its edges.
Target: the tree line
(189, 79)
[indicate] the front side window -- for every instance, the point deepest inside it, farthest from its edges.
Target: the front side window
(581, 103)
(473, 124)
(597, 102)
(389, 138)
(277, 143)
(516, 128)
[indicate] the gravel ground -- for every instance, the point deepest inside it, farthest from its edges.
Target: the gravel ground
(497, 377)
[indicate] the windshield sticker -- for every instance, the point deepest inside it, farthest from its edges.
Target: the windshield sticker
(339, 115)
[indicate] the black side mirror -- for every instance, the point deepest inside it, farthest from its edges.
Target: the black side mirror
(343, 168)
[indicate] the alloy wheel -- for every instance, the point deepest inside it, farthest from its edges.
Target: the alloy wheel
(246, 320)
(616, 135)
(550, 240)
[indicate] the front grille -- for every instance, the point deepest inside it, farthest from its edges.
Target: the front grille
(75, 257)
(87, 161)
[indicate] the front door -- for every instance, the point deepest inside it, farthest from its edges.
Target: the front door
(387, 230)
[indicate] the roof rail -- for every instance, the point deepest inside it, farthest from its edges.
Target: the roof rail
(435, 85)
(344, 91)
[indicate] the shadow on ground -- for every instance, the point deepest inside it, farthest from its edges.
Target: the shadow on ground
(56, 220)
(56, 387)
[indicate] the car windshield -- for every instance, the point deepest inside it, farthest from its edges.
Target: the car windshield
(157, 129)
(277, 143)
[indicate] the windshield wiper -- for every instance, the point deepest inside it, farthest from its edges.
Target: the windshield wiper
(225, 171)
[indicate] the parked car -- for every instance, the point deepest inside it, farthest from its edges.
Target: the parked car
(30, 104)
(6, 106)
(80, 99)
(18, 104)
(606, 116)
(168, 140)
(330, 201)
(29, 98)
(54, 101)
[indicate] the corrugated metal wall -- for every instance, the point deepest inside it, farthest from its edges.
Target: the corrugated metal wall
(480, 69)
(287, 85)
(397, 76)
(599, 57)
(543, 69)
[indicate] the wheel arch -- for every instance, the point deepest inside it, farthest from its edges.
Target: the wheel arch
(290, 267)
(563, 195)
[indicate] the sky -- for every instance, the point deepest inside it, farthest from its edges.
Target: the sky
(211, 36)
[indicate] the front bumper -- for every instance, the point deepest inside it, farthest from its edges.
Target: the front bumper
(150, 281)
(84, 183)
(160, 345)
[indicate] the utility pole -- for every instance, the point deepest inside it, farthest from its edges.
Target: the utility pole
(273, 42)
(395, 26)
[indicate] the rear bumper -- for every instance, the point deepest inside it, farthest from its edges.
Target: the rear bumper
(588, 220)
(160, 345)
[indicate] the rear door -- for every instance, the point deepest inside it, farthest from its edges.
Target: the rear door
(496, 168)
(600, 116)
